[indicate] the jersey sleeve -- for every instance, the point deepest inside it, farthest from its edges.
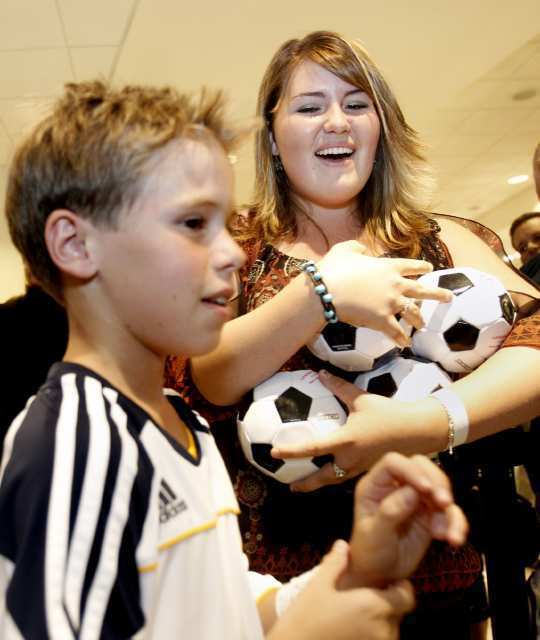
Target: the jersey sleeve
(72, 506)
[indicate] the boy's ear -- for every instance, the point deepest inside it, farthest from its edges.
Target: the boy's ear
(67, 237)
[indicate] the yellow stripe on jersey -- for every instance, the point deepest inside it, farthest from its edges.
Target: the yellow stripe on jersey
(148, 568)
(267, 592)
(198, 529)
(191, 446)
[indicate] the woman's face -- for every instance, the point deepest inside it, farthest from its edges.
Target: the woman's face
(326, 133)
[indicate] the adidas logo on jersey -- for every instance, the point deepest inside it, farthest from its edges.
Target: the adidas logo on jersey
(169, 505)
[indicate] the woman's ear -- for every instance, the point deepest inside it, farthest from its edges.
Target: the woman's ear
(67, 238)
(275, 150)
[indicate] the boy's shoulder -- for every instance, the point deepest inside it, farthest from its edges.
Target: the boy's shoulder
(77, 412)
(74, 413)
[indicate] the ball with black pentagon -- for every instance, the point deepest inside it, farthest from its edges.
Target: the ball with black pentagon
(405, 379)
(462, 333)
(354, 348)
(290, 407)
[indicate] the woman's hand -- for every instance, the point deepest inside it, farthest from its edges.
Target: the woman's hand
(375, 425)
(370, 291)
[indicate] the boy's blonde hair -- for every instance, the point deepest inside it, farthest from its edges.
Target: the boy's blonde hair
(88, 157)
(389, 204)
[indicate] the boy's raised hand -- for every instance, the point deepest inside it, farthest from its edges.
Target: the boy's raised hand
(325, 610)
(401, 504)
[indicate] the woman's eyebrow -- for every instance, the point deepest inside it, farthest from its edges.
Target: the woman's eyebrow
(321, 94)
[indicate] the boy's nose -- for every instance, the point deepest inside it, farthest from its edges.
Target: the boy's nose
(229, 254)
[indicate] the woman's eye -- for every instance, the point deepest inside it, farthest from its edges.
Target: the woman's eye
(357, 106)
(308, 109)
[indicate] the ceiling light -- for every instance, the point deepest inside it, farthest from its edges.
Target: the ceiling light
(518, 179)
(524, 94)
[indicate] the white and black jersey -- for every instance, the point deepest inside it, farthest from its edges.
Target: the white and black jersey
(110, 529)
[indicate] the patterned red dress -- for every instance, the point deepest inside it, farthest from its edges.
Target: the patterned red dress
(284, 533)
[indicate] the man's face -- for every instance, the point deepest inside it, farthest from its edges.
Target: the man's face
(526, 238)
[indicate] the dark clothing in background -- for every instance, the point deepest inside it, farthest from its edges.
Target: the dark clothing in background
(34, 333)
(532, 268)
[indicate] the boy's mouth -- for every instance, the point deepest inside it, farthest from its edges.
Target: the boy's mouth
(219, 300)
(221, 297)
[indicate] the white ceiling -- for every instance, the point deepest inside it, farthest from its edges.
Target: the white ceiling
(455, 67)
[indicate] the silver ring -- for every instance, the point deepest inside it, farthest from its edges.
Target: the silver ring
(338, 471)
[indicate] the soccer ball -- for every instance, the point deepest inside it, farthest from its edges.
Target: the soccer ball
(464, 332)
(354, 348)
(406, 379)
(290, 407)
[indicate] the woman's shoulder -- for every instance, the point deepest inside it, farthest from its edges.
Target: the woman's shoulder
(432, 248)
(243, 224)
(472, 244)
(459, 229)
(243, 229)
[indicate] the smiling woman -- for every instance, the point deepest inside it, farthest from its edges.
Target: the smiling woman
(324, 123)
(340, 180)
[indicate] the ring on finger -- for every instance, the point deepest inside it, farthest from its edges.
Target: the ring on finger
(406, 306)
(338, 471)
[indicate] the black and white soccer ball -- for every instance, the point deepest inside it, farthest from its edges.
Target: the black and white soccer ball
(290, 407)
(464, 332)
(354, 348)
(406, 379)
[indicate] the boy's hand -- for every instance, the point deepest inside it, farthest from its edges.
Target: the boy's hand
(400, 506)
(322, 610)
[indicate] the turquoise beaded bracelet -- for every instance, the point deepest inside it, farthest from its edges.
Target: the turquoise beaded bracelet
(320, 289)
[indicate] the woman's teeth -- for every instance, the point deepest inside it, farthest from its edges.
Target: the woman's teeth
(335, 153)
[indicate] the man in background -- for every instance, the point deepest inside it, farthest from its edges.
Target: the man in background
(525, 236)
(34, 336)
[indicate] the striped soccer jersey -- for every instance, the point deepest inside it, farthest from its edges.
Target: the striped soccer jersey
(110, 529)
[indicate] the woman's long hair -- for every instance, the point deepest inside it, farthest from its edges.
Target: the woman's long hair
(390, 206)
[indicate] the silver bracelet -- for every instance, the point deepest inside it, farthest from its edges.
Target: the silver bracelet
(458, 420)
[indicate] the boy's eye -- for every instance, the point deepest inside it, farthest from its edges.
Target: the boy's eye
(195, 223)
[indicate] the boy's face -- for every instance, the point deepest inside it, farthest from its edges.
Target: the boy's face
(167, 270)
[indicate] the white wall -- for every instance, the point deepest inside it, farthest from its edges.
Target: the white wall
(11, 270)
(500, 218)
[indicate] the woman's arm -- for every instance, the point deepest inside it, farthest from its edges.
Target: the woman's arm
(468, 250)
(367, 291)
(502, 392)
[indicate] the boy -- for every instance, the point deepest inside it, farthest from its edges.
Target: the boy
(118, 518)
